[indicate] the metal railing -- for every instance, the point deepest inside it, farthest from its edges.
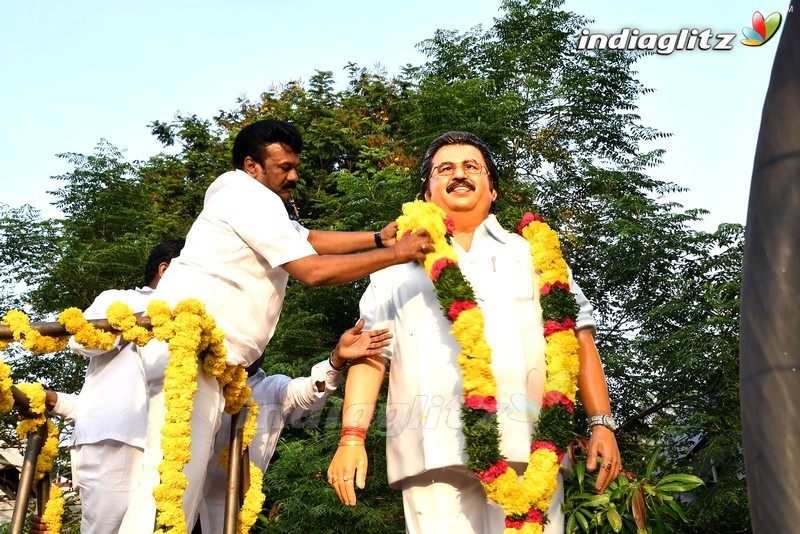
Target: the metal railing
(238, 460)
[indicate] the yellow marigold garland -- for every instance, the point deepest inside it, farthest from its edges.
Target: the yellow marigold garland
(180, 385)
(190, 333)
(121, 317)
(54, 509)
(36, 398)
(236, 391)
(48, 453)
(525, 503)
(253, 501)
(249, 430)
(6, 398)
(85, 333)
(32, 340)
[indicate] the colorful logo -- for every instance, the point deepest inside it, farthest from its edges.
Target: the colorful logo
(762, 30)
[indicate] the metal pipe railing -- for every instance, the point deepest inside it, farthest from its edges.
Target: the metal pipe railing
(42, 493)
(33, 447)
(56, 329)
(233, 493)
(238, 461)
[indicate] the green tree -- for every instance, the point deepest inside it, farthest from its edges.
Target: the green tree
(176, 183)
(99, 241)
(564, 127)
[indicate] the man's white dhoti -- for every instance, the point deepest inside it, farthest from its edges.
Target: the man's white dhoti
(105, 473)
(452, 499)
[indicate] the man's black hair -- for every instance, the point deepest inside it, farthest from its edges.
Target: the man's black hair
(163, 252)
(253, 139)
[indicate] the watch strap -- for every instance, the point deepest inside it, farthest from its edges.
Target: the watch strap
(603, 420)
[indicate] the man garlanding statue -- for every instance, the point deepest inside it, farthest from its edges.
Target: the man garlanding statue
(239, 254)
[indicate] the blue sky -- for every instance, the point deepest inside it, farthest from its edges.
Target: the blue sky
(710, 101)
(76, 72)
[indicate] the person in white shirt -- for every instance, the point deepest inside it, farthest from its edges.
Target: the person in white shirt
(110, 413)
(280, 400)
(425, 443)
(239, 254)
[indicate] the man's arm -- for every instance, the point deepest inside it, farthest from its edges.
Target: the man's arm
(326, 242)
(309, 393)
(329, 270)
(56, 403)
(64, 405)
(594, 396)
(349, 465)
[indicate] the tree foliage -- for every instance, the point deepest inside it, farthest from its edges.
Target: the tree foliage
(564, 127)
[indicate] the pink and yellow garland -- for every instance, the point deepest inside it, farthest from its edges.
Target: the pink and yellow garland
(525, 502)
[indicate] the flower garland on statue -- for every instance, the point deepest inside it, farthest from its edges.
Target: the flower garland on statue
(525, 503)
(190, 333)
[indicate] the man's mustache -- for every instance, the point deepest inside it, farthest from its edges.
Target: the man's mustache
(459, 183)
(289, 186)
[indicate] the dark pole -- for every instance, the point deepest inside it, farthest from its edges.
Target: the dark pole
(32, 449)
(244, 483)
(769, 345)
(234, 472)
(42, 494)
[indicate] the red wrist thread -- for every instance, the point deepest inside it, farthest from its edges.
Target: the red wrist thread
(354, 431)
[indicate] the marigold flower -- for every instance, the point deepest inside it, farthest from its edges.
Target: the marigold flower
(54, 509)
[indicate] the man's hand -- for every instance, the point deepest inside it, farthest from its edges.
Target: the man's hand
(603, 443)
(389, 234)
(413, 247)
(37, 525)
(347, 471)
(22, 405)
(355, 343)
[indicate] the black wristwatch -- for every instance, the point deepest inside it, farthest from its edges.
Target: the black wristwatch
(378, 240)
(603, 420)
(330, 362)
